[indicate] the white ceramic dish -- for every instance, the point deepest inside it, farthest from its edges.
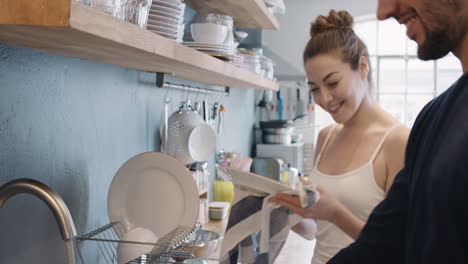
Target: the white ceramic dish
(165, 19)
(204, 44)
(165, 14)
(153, 190)
(209, 33)
(213, 49)
(174, 2)
(254, 182)
(173, 11)
(172, 5)
(163, 24)
(166, 35)
(162, 29)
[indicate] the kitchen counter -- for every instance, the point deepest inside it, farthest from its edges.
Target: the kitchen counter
(217, 226)
(297, 250)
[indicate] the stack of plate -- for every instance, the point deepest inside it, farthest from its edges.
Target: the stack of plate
(222, 51)
(166, 19)
(237, 60)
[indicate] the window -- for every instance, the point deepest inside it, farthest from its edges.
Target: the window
(403, 83)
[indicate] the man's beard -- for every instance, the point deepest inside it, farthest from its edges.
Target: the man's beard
(444, 34)
(436, 45)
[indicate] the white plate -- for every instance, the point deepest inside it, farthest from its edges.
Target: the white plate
(165, 14)
(162, 29)
(255, 182)
(153, 190)
(176, 12)
(163, 19)
(201, 44)
(166, 35)
(163, 24)
(214, 49)
(168, 4)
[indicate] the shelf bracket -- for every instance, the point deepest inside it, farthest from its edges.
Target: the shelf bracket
(160, 83)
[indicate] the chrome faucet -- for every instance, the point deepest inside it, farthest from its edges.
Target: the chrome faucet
(53, 201)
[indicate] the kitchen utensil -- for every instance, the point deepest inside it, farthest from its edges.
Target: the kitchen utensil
(277, 126)
(206, 243)
(222, 110)
(218, 19)
(277, 138)
(174, 4)
(155, 191)
(279, 102)
(214, 112)
(127, 252)
(202, 142)
(163, 127)
(180, 125)
(209, 33)
(205, 111)
(300, 108)
(277, 131)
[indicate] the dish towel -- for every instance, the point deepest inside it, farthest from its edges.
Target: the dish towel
(258, 228)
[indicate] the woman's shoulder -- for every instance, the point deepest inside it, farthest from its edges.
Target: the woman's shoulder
(324, 132)
(323, 135)
(397, 136)
(394, 146)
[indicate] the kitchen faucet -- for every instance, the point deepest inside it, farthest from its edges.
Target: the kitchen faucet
(53, 201)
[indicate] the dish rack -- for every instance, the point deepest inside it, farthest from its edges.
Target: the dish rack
(175, 247)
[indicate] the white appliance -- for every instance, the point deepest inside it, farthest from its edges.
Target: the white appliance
(290, 153)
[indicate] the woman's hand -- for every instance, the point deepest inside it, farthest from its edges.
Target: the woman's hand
(327, 207)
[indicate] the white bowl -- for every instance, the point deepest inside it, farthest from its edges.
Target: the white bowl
(208, 33)
(127, 252)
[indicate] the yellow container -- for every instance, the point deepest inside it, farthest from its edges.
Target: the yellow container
(223, 191)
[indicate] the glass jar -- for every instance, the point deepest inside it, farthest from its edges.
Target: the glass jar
(135, 11)
(109, 6)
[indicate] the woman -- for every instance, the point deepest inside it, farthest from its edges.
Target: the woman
(358, 157)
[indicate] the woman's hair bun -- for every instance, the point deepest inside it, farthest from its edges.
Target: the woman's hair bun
(336, 20)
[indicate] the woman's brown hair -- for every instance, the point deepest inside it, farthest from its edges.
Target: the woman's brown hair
(334, 34)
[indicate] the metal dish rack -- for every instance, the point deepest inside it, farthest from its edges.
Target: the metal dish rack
(175, 247)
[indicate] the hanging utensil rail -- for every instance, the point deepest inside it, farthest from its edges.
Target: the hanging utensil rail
(160, 83)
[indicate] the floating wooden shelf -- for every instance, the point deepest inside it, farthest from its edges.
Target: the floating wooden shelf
(246, 13)
(75, 30)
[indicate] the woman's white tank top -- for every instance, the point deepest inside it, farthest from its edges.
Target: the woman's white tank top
(357, 190)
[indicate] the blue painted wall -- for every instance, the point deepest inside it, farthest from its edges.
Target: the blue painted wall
(71, 124)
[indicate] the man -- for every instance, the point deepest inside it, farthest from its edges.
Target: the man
(424, 218)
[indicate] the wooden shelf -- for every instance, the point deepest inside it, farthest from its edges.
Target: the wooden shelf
(75, 30)
(246, 13)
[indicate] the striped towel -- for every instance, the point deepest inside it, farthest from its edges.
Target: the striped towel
(258, 228)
